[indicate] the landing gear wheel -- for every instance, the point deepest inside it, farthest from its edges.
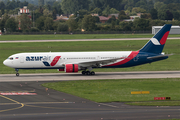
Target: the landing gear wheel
(88, 73)
(17, 74)
(92, 73)
(83, 72)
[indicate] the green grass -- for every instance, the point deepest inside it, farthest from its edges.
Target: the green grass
(172, 46)
(120, 90)
(75, 36)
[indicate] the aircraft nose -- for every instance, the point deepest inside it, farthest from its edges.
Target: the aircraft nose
(5, 62)
(8, 63)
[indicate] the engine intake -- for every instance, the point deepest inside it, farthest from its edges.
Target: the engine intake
(69, 68)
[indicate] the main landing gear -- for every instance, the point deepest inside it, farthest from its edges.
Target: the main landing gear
(88, 73)
(17, 74)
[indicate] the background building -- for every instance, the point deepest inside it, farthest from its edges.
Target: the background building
(24, 10)
(174, 29)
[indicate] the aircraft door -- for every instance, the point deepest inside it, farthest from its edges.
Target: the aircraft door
(21, 59)
(98, 57)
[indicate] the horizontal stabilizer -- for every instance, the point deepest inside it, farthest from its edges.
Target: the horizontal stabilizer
(159, 56)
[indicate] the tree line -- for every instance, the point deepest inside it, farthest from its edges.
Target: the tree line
(154, 12)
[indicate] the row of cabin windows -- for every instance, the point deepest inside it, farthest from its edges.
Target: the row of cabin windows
(93, 58)
(83, 58)
(109, 57)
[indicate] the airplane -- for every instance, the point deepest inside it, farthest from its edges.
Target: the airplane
(72, 62)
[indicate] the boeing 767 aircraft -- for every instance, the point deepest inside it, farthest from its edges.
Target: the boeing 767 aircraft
(85, 61)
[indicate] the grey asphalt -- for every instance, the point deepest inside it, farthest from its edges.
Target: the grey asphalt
(53, 105)
(79, 76)
(71, 40)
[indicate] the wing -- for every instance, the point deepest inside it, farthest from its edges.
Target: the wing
(99, 63)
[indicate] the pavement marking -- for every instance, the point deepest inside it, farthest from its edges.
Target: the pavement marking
(47, 103)
(67, 108)
(18, 93)
(15, 91)
(108, 105)
(55, 113)
(49, 107)
(36, 103)
(10, 99)
(22, 105)
(9, 103)
(30, 104)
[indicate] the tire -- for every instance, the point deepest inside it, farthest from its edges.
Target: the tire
(88, 73)
(17, 74)
(92, 73)
(83, 72)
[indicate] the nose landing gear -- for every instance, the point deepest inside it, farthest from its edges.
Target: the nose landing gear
(17, 74)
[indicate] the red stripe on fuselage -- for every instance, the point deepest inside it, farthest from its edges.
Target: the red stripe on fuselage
(164, 38)
(55, 60)
(130, 57)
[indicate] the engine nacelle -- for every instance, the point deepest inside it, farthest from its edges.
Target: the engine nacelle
(69, 68)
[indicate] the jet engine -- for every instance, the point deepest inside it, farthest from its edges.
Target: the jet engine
(69, 68)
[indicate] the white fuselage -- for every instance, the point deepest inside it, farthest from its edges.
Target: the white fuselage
(38, 60)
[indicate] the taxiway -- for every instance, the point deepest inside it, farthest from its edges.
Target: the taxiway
(47, 104)
(23, 97)
(73, 40)
(79, 76)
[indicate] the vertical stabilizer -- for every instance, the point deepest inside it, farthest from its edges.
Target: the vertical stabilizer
(156, 43)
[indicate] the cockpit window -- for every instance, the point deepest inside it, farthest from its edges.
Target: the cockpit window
(11, 58)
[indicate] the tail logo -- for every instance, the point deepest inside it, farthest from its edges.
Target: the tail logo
(164, 38)
(155, 41)
(162, 41)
